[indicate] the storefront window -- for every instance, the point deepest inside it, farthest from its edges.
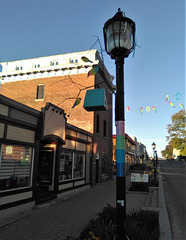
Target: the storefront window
(71, 165)
(65, 171)
(78, 165)
(15, 166)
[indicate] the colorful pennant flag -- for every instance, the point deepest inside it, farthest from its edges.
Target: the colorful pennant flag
(141, 110)
(171, 104)
(93, 71)
(178, 95)
(128, 109)
(85, 59)
(181, 105)
(77, 102)
(155, 110)
(147, 108)
(166, 99)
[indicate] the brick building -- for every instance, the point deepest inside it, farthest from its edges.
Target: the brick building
(60, 80)
(42, 157)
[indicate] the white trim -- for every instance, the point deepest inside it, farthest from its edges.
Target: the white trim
(79, 183)
(15, 197)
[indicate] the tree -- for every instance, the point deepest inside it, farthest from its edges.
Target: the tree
(177, 132)
(168, 152)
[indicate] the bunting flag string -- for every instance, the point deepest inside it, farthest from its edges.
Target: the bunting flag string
(93, 71)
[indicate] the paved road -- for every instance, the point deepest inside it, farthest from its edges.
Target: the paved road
(174, 180)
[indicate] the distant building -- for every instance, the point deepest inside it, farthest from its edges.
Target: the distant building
(141, 155)
(130, 148)
(176, 153)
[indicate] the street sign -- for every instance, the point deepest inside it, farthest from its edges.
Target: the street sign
(139, 177)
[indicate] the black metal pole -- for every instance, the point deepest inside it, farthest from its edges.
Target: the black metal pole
(154, 163)
(120, 150)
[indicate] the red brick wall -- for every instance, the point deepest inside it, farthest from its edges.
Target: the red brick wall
(61, 91)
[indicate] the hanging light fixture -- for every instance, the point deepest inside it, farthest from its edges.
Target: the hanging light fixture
(119, 35)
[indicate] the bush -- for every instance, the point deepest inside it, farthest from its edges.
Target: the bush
(104, 227)
(143, 225)
(140, 225)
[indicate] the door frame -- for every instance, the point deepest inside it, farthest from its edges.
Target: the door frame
(51, 150)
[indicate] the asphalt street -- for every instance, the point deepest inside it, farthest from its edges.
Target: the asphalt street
(174, 180)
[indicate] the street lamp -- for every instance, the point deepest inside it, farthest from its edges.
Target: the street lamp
(119, 37)
(154, 157)
(153, 146)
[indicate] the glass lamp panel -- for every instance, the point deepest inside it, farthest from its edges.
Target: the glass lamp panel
(126, 36)
(110, 38)
(119, 35)
(153, 145)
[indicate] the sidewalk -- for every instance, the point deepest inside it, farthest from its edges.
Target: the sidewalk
(59, 219)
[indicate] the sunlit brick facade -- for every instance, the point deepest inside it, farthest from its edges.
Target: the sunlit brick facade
(60, 79)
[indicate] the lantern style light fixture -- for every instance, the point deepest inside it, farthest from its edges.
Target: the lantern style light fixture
(153, 146)
(119, 35)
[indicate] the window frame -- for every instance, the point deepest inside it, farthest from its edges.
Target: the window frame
(19, 164)
(104, 128)
(74, 159)
(40, 93)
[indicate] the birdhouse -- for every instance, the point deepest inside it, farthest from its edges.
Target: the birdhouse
(95, 100)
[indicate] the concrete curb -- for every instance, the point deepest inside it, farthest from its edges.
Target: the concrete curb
(165, 229)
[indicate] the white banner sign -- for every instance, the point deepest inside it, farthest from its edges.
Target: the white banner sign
(139, 177)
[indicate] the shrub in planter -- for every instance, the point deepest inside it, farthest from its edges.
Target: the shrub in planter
(154, 183)
(103, 228)
(143, 225)
(140, 225)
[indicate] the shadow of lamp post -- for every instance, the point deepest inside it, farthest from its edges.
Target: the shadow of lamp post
(119, 37)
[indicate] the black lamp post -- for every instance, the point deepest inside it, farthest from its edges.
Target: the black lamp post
(154, 157)
(119, 36)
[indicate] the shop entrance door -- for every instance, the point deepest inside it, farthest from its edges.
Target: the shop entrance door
(45, 166)
(44, 179)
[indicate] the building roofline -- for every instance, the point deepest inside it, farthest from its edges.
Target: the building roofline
(57, 55)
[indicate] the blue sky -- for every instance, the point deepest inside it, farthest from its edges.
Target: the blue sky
(36, 28)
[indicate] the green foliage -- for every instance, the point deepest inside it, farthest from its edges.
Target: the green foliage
(140, 225)
(104, 227)
(168, 152)
(177, 132)
(143, 225)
